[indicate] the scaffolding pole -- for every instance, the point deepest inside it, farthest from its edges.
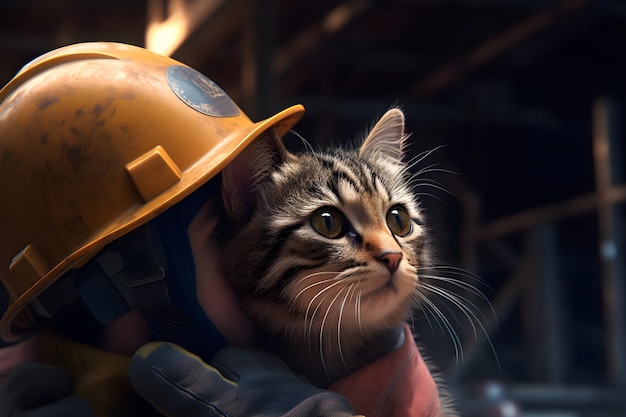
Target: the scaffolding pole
(606, 142)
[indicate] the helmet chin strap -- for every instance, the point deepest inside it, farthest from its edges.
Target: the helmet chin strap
(142, 271)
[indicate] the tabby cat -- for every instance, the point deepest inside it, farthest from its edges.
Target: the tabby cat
(334, 244)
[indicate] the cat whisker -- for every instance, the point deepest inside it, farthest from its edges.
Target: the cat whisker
(431, 168)
(459, 272)
(463, 303)
(429, 195)
(442, 319)
(308, 287)
(304, 141)
(417, 297)
(343, 304)
(306, 314)
(457, 302)
(459, 283)
(311, 301)
(460, 302)
(424, 182)
(463, 284)
(322, 325)
(358, 307)
(422, 171)
(415, 178)
(311, 321)
(423, 155)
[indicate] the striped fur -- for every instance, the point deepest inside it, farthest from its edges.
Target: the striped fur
(330, 304)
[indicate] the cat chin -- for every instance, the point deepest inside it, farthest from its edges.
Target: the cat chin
(391, 291)
(381, 312)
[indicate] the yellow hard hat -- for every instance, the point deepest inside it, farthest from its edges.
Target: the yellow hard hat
(96, 139)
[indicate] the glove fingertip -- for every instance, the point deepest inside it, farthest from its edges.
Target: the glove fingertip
(150, 348)
(151, 364)
(174, 381)
(148, 381)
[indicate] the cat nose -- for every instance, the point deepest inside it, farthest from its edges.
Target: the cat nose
(390, 259)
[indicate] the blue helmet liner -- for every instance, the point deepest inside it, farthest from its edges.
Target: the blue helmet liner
(201, 337)
(151, 269)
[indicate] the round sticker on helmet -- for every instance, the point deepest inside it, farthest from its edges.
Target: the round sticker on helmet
(199, 92)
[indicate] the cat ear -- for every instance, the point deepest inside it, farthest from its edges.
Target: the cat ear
(387, 136)
(242, 176)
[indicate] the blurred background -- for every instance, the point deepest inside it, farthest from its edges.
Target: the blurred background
(520, 101)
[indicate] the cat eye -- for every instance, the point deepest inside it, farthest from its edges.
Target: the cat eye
(398, 221)
(328, 223)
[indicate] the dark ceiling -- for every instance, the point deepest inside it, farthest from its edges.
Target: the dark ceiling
(350, 55)
(458, 67)
(506, 85)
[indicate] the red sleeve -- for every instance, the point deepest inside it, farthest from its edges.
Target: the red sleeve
(396, 385)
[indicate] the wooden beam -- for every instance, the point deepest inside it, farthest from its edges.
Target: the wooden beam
(494, 47)
(611, 236)
(568, 208)
(312, 36)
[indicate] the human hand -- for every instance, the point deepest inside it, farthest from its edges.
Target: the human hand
(37, 390)
(236, 383)
(215, 295)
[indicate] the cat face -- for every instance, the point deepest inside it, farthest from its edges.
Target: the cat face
(326, 238)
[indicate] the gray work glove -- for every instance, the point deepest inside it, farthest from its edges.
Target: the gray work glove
(236, 383)
(37, 390)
